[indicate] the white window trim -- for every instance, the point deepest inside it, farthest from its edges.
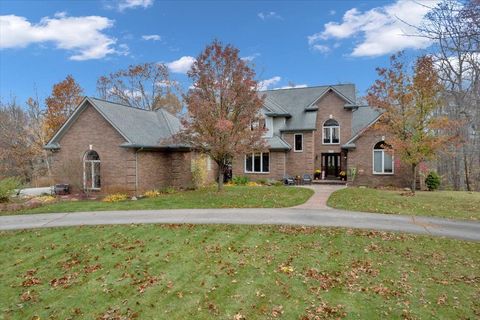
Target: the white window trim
(382, 173)
(261, 164)
(295, 142)
(92, 163)
(330, 134)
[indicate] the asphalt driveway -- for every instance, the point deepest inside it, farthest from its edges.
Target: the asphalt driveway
(466, 230)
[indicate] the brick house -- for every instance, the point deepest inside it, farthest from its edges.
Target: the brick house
(109, 147)
(322, 128)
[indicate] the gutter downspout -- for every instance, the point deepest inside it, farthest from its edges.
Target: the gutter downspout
(136, 170)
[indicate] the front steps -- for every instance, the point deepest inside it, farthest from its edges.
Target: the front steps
(330, 182)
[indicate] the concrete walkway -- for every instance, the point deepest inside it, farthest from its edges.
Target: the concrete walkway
(466, 230)
(320, 197)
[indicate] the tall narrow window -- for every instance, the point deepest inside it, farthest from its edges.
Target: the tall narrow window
(298, 142)
(331, 132)
(258, 162)
(382, 159)
(91, 171)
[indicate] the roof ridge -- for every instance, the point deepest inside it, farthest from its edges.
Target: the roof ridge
(120, 104)
(276, 104)
(311, 87)
(167, 121)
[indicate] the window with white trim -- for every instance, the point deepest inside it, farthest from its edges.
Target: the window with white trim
(382, 159)
(91, 171)
(257, 162)
(331, 132)
(298, 142)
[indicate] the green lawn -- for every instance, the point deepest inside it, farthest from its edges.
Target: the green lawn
(218, 272)
(231, 197)
(447, 204)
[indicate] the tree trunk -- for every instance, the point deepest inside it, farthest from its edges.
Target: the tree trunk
(467, 173)
(413, 185)
(221, 171)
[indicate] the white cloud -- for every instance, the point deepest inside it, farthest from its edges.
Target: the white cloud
(321, 48)
(81, 35)
(381, 29)
(153, 37)
(332, 12)
(292, 86)
(181, 65)
(132, 4)
(269, 15)
(251, 57)
(265, 84)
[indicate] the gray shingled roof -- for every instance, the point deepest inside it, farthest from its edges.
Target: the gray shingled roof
(277, 143)
(296, 101)
(141, 128)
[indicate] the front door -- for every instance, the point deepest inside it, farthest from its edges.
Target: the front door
(331, 164)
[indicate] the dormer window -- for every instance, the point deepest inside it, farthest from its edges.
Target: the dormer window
(331, 132)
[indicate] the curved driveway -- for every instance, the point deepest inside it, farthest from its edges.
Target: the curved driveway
(466, 230)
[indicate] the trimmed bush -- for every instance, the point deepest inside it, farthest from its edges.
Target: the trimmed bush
(240, 180)
(432, 181)
(7, 188)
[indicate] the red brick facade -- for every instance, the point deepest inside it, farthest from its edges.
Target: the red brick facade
(121, 169)
(360, 159)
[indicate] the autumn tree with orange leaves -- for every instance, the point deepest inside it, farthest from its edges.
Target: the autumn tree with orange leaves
(222, 106)
(65, 97)
(408, 102)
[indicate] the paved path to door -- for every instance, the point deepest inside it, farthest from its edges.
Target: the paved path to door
(466, 230)
(320, 197)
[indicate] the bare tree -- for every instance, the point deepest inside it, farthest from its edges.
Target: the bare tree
(146, 86)
(36, 129)
(454, 28)
(15, 141)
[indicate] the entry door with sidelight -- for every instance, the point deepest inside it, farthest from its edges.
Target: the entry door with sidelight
(331, 164)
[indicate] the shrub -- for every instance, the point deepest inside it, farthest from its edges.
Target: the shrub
(168, 190)
(152, 194)
(277, 183)
(262, 181)
(253, 184)
(432, 181)
(240, 180)
(7, 187)
(199, 171)
(116, 197)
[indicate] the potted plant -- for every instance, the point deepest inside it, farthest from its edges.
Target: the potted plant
(343, 175)
(317, 174)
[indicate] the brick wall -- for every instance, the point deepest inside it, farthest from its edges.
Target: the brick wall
(277, 167)
(299, 163)
(361, 158)
(331, 104)
(92, 129)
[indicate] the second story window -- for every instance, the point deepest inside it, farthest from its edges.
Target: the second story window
(298, 142)
(331, 132)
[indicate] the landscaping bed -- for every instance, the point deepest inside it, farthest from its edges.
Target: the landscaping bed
(235, 272)
(445, 204)
(230, 197)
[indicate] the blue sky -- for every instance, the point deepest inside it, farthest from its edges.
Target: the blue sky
(289, 43)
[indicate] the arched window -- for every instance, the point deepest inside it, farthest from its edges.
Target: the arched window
(331, 132)
(382, 159)
(91, 171)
